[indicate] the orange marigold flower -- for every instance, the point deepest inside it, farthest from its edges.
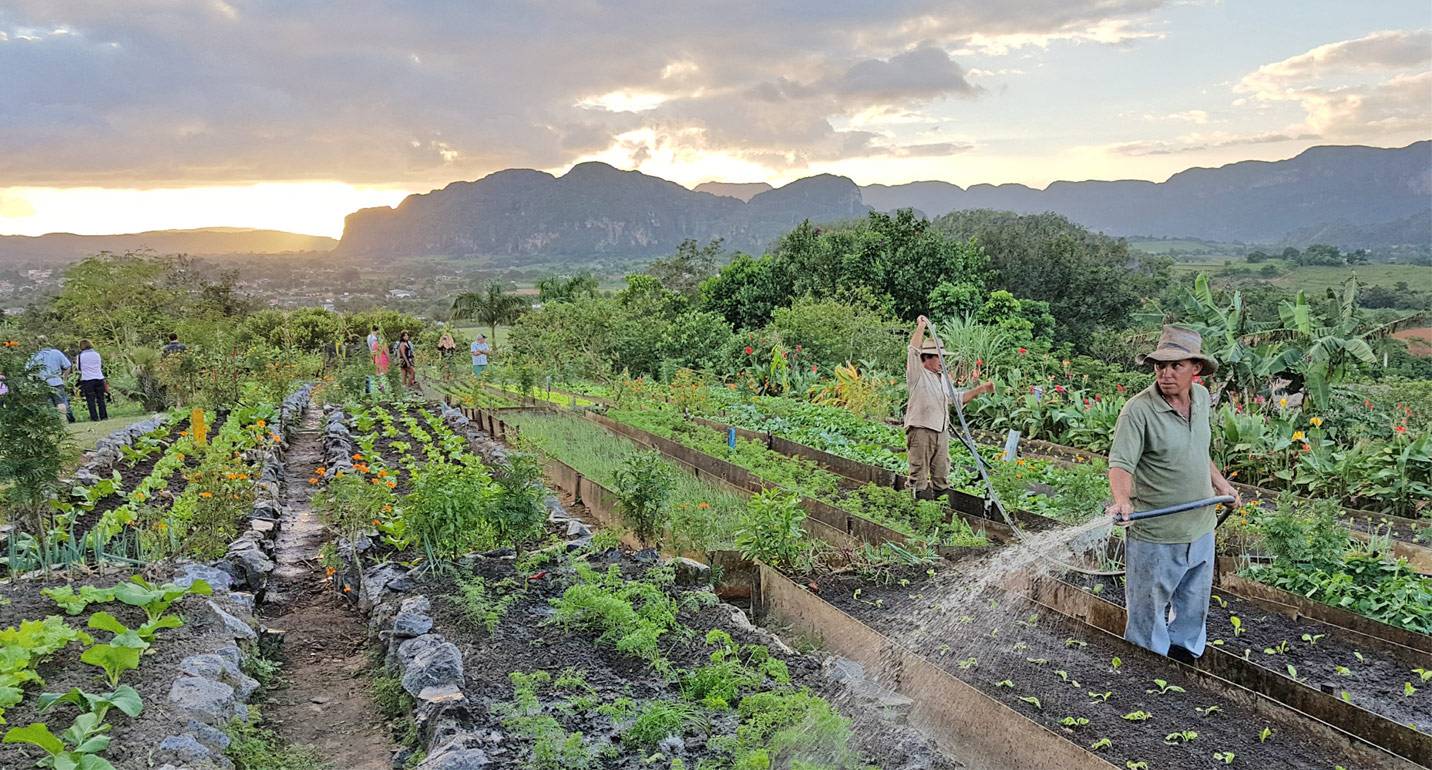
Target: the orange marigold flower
(261, 423)
(206, 494)
(347, 589)
(330, 571)
(382, 473)
(357, 456)
(313, 481)
(387, 509)
(377, 523)
(703, 505)
(394, 484)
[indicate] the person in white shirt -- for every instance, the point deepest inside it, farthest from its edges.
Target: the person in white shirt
(480, 350)
(92, 384)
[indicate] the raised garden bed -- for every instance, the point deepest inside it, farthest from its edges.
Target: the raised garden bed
(1029, 658)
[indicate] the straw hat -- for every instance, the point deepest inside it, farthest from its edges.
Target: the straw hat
(1180, 343)
(930, 347)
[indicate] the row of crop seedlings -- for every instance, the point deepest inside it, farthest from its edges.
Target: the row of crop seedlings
(199, 487)
(75, 733)
(923, 520)
(608, 660)
(1276, 537)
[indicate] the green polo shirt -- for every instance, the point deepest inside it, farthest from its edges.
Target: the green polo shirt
(1168, 458)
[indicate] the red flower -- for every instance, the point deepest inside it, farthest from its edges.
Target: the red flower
(1097, 397)
(1058, 388)
(1022, 351)
(749, 350)
(1401, 429)
(798, 348)
(812, 368)
(1120, 387)
(979, 362)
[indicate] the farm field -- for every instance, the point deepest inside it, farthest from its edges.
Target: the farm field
(675, 525)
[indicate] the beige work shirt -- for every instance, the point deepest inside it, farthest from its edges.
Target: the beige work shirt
(929, 395)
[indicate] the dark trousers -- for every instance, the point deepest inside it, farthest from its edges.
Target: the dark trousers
(93, 391)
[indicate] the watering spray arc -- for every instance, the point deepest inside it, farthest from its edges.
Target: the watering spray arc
(992, 497)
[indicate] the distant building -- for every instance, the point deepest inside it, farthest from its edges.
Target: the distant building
(400, 294)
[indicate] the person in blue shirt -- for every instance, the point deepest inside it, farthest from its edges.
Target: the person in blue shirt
(51, 366)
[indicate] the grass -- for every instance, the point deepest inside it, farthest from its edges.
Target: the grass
(254, 747)
(86, 434)
(703, 517)
(1314, 279)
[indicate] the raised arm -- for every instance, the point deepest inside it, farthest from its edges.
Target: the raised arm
(918, 335)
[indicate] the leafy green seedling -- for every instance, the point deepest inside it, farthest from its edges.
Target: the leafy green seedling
(75, 749)
(1265, 734)
(124, 698)
(1004, 683)
(1346, 696)
(1116, 662)
(1033, 701)
(1038, 661)
(1425, 674)
(138, 638)
(1139, 765)
(155, 600)
(1313, 638)
(1226, 757)
(1237, 624)
(1101, 744)
(1358, 655)
(1075, 643)
(1220, 601)
(944, 649)
(1101, 696)
(1207, 711)
(1063, 675)
(1182, 736)
(1164, 688)
(73, 603)
(1019, 647)
(1278, 649)
(1408, 689)
(967, 664)
(1293, 672)
(1074, 721)
(1342, 670)
(1138, 716)
(114, 659)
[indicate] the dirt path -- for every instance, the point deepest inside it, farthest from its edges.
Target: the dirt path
(326, 703)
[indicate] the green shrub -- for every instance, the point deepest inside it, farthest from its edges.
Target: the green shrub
(447, 511)
(644, 483)
(771, 531)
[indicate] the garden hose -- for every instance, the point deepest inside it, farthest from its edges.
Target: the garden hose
(992, 497)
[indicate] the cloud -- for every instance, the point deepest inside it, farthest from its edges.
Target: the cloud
(1378, 84)
(144, 92)
(1199, 142)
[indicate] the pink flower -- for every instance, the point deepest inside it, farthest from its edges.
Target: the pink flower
(1401, 429)
(812, 368)
(1058, 388)
(1120, 387)
(749, 350)
(1022, 351)
(798, 348)
(979, 362)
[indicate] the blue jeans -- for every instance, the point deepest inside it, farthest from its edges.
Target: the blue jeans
(1168, 576)
(60, 396)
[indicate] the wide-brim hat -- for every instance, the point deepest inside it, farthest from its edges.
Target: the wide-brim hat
(930, 347)
(1180, 343)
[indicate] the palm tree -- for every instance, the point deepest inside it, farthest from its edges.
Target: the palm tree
(559, 289)
(491, 306)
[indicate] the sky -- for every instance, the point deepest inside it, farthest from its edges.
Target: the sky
(128, 115)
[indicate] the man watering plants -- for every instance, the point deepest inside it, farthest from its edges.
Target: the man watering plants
(927, 414)
(1160, 458)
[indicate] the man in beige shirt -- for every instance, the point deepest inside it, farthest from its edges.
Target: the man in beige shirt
(927, 414)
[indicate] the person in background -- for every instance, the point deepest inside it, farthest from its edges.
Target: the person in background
(407, 360)
(172, 347)
(379, 352)
(1160, 458)
(447, 346)
(480, 350)
(927, 414)
(52, 367)
(92, 384)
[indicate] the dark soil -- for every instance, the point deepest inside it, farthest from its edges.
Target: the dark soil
(130, 476)
(524, 642)
(1375, 682)
(133, 739)
(325, 699)
(999, 637)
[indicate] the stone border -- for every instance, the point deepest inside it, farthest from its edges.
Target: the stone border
(99, 462)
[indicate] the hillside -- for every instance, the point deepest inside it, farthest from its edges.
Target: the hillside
(593, 210)
(1353, 196)
(67, 247)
